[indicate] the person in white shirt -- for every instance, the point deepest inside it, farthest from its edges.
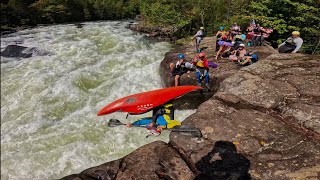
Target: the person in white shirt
(292, 44)
(199, 36)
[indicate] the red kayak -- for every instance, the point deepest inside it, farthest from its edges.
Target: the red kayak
(146, 101)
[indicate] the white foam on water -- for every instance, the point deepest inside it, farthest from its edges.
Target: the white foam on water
(49, 126)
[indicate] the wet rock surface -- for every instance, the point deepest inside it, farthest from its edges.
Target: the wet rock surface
(16, 51)
(224, 70)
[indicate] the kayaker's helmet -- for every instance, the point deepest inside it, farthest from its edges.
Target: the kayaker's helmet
(295, 33)
(241, 45)
(181, 56)
(221, 28)
(202, 28)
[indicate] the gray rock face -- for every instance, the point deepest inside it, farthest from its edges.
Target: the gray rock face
(268, 110)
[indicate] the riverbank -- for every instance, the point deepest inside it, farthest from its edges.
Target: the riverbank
(260, 121)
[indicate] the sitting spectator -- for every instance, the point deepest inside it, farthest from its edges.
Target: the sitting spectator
(219, 34)
(180, 68)
(292, 44)
(238, 54)
(248, 59)
(228, 52)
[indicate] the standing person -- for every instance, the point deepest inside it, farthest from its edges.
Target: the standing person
(219, 34)
(202, 69)
(198, 36)
(224, 44)
(265, 33)
(292, 44)
(235, 29)
(180, 68)
(256, 38)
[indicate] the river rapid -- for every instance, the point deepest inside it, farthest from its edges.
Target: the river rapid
(49, 126)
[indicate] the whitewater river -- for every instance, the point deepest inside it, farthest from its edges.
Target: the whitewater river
(49, 126)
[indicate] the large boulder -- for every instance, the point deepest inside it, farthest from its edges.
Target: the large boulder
(270, 110)
(156, 160)
(16, 51)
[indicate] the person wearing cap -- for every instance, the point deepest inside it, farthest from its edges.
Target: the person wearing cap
(248, 59)
(292, 44)
(238, 54)
(181, 67)
(202, 69)
(198, 36)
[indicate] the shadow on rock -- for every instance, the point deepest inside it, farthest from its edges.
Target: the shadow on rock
(223, 163)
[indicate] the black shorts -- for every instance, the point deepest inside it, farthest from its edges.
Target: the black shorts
(180, 73)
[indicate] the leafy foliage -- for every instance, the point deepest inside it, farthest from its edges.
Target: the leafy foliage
(284, 16)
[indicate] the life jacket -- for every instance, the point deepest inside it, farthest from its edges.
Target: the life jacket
(168, 115)
(180, 65)
(290, 41)
(201, 34)
(168, 108)
(220, 34)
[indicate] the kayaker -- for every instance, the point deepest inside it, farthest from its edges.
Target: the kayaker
(163, 116)
(202, 69)
(180, 68)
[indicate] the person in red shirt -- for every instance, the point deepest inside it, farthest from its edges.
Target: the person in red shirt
(202, 69)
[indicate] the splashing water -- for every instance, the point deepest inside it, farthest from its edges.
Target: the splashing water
(49, 126)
